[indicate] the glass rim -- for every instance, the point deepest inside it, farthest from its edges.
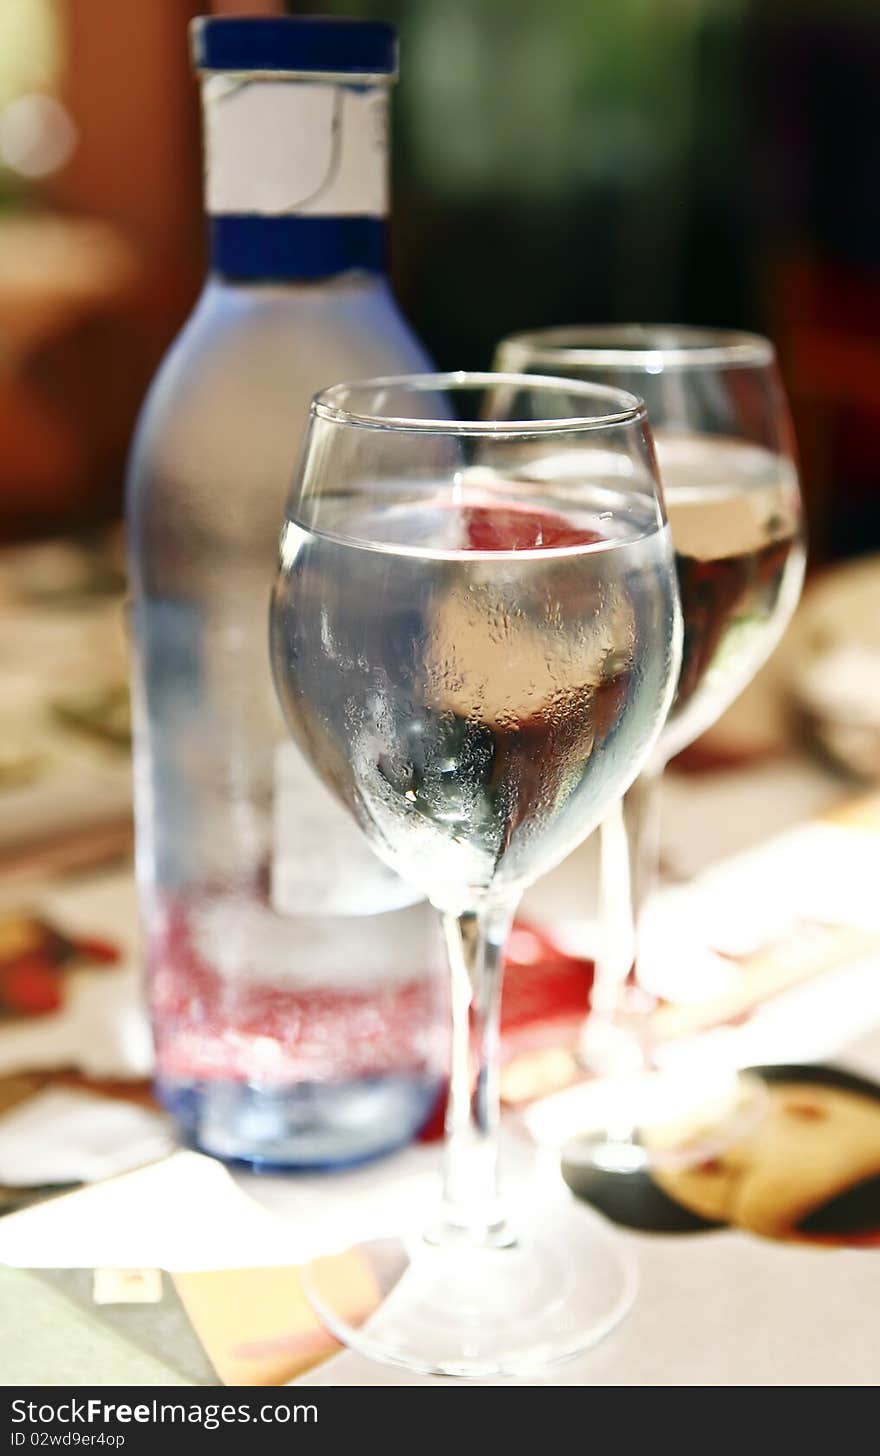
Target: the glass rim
(328, 404)
(622, 346)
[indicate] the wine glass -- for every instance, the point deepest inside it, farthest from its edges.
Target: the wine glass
(475, 637)
(726, 451)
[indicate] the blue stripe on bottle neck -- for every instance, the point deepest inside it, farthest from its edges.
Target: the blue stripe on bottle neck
(250, 246)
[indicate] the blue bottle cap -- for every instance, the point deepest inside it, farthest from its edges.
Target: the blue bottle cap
(294, 43)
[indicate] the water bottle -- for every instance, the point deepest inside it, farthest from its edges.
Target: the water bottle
(290, 975)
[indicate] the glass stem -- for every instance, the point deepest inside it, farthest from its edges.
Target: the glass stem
(618, 1039)
(472, 1207)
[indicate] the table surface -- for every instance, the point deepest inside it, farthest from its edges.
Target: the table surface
(720, 1308)
(724, 1308)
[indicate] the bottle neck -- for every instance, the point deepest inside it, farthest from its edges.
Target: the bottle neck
(296, 175)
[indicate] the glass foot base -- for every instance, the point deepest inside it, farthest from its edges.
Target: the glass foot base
(478, 1312)
(658, 1125)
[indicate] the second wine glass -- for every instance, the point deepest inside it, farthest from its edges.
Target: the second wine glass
(727, 460)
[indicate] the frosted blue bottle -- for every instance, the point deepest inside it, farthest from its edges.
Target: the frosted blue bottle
(290, 977)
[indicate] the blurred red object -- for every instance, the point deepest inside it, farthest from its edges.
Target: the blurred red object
(827, 323)
(33, 958)
(545, 990)
(545, 999)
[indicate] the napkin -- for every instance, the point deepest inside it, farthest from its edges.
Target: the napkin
(62, 1135)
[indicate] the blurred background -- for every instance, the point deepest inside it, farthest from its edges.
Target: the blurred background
(704, 162)
(695, 161)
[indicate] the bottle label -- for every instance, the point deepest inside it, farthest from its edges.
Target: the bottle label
(321, 863)
(281, 148)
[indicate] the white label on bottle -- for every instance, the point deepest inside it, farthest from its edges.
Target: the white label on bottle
(321, 863)
(278, 148)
